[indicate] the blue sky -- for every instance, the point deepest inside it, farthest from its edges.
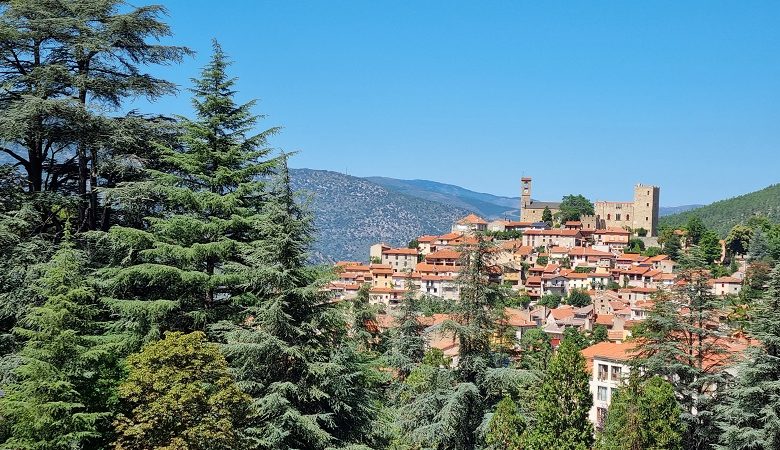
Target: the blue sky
(586, 97)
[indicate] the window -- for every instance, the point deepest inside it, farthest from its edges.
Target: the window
(616, 372)
(602, 374)
(601, 394)
(628, 217)
(617, 216)
(647, 218)
(609, 216)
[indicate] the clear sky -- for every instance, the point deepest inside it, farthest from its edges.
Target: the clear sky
(586, 97)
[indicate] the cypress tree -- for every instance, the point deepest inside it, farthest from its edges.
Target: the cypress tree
(57, 398)
(750, 415)
(563, 403)
(406, 344)
(189, 266)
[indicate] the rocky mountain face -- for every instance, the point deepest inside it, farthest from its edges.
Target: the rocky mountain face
(352, 213)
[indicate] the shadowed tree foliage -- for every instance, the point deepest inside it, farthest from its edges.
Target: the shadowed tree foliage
(749, 416)
(562, 404)
(59, 396)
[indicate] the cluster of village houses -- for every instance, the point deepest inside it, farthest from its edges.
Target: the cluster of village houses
(556, 261)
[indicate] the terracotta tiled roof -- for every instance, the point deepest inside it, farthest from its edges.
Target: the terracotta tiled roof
(443, 254)
(401, 251)
(611, 351)
(617, 231)
(472, 219)
(554, 232)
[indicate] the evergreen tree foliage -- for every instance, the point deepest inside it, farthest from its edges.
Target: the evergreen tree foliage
(683, 341)
(710, 245)
(59, 397)
(477, 311)
(759, 247)
(505, 427)
(643, 415)
(547, 215)
(365, 330)
(405, 343)
(535, 350)
(189, 267)
(563, 403)
(695, 230)
(738, 239)
(63, 63)
(749, 416)
(179, 395)
(290, 352)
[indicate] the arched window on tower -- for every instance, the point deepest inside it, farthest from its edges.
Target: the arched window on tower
(609, 216)
(628, 217)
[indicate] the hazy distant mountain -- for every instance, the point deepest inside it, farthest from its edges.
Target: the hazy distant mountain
(669, 210)
(486, 205)
(352, 213)
(724, 214)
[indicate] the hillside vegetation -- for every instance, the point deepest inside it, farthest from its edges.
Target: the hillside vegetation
(722, 215)
(352, 213)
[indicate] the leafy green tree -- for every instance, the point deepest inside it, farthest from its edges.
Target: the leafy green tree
(710, 245)
(578, 298)
(695, 229)
(573, 207)
(678, 341)
(600, 334)
(179, 394)
(547, 215)
(576, 337)
(641, 232)
(61, 390)
(643, 415)
(738, 239)
(635, 245)
(749, 418)
(652, 251)
(189, 268)
(759, 247)
(62, 64)
(505, 427)
(563, 404)
(535, 350)
(549, 300)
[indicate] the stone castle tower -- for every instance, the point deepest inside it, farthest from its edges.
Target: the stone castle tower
(646, 208)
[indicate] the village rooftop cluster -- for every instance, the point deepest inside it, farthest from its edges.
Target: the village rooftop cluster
(573, 257)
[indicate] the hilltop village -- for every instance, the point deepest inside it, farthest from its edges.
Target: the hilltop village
(545, 264)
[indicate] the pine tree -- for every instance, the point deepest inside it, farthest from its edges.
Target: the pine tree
(563, 404)
(683, 341)
(476, 312)
(179, 395)
(749, 416)
(290, 352)
(643, 415)
(58, 398)
(189, 268)
(535, 350)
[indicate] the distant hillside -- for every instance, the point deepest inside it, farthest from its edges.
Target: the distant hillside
(486, 205)
(669, 210)
(352, 213)
(724, 214)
